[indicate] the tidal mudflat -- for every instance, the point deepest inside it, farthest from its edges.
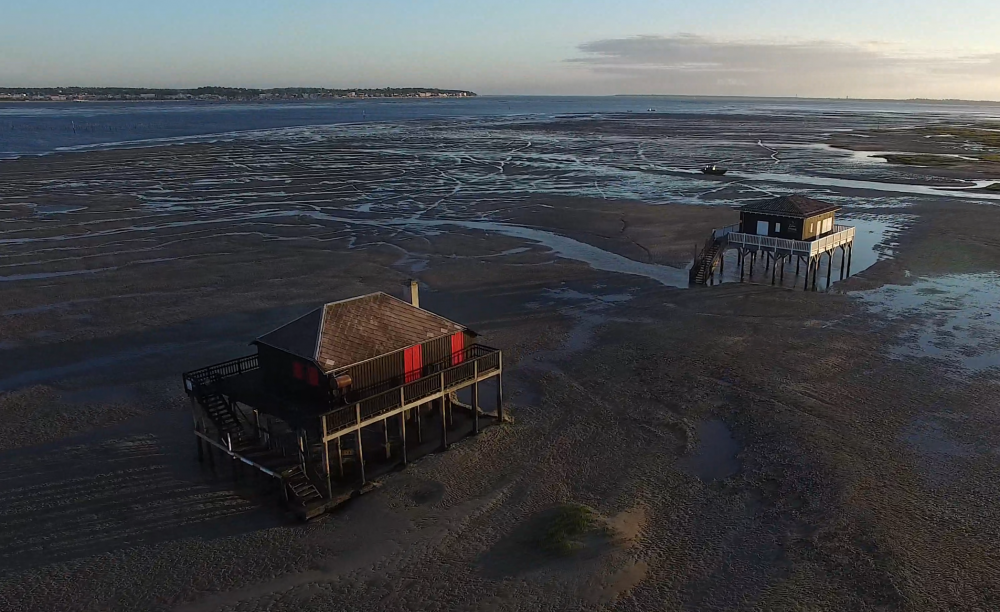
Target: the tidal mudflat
(738, 446)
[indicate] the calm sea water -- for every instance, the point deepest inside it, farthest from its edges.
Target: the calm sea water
(40, 128)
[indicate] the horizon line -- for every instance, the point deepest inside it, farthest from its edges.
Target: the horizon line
(519, 95)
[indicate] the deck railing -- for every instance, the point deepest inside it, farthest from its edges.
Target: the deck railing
(476, 360)
(214, 373)
(718, 234)
(842, 234)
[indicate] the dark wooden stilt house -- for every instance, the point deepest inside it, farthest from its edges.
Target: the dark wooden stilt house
(779, 230)
(341, 388)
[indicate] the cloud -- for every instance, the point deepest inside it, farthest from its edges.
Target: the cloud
(688, 63)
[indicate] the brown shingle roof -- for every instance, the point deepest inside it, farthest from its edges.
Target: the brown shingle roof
(790, 206)
(343, 333)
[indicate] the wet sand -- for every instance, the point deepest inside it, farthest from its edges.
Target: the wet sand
(751, 447)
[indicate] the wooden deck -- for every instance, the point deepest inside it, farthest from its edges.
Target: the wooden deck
(841, 235)
(289, 438)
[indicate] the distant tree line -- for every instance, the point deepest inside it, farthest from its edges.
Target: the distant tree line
(238, 93)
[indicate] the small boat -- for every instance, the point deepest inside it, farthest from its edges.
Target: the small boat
(651, 110)
(713, 170)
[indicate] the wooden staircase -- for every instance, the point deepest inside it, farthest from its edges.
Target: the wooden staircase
(222, 416)
(300, 489)
(705, 261)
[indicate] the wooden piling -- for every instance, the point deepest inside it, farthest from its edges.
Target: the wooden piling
(402, 435)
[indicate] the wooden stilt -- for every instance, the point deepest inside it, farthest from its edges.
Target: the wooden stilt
(475, 398)
(850, 251)
(815, 272)
(774, 269)
(843, 259)
(829, 268)
(444, 427)
(326, 465)
(402, 435)
(385, 433)
(500, 397)
(420, 428)
(302, 450)
(783, 258)
(742, 262)
(340, 456)
(808, 267)
(359, 454)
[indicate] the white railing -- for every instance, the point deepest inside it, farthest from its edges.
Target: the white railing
(721, 233)
(809, 248)
(842, 234)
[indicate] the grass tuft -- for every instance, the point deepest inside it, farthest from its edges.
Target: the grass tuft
(569, 524)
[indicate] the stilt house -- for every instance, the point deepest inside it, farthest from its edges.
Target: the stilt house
(779, 230)
(306, 406)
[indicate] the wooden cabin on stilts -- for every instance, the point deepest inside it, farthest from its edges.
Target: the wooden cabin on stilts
(780, 231)
(348, 391)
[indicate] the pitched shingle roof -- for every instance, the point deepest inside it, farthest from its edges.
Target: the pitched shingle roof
(343, 333)
(790, 206)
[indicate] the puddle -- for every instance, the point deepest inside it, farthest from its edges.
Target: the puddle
(56, 209)
(715, 457)
(941, 457)
(954, 318)
(930, 438)
(565, 293)
(44, 275)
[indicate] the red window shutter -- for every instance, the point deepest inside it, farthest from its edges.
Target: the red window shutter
(457, 348)
(314, 377)
(413, 361)
(297, 370)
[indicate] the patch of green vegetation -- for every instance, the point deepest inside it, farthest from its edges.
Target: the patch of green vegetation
(987, 138)
(567, 527)
(993, 187)
(989, 157)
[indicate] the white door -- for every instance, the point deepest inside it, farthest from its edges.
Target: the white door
(763, 227)
(827, 225)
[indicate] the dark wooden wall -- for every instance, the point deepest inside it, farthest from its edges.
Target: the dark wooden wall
(279, 370)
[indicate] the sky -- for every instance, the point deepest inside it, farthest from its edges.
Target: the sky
(842, 48)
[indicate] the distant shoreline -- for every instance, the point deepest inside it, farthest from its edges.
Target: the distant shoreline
(809, 99)
(260, 102)
(220, 94)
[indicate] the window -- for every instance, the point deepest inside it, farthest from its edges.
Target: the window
(313, 377)
(763, 228)
(297, 371)
(812, 226)
(777, 228)
(827, 224)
